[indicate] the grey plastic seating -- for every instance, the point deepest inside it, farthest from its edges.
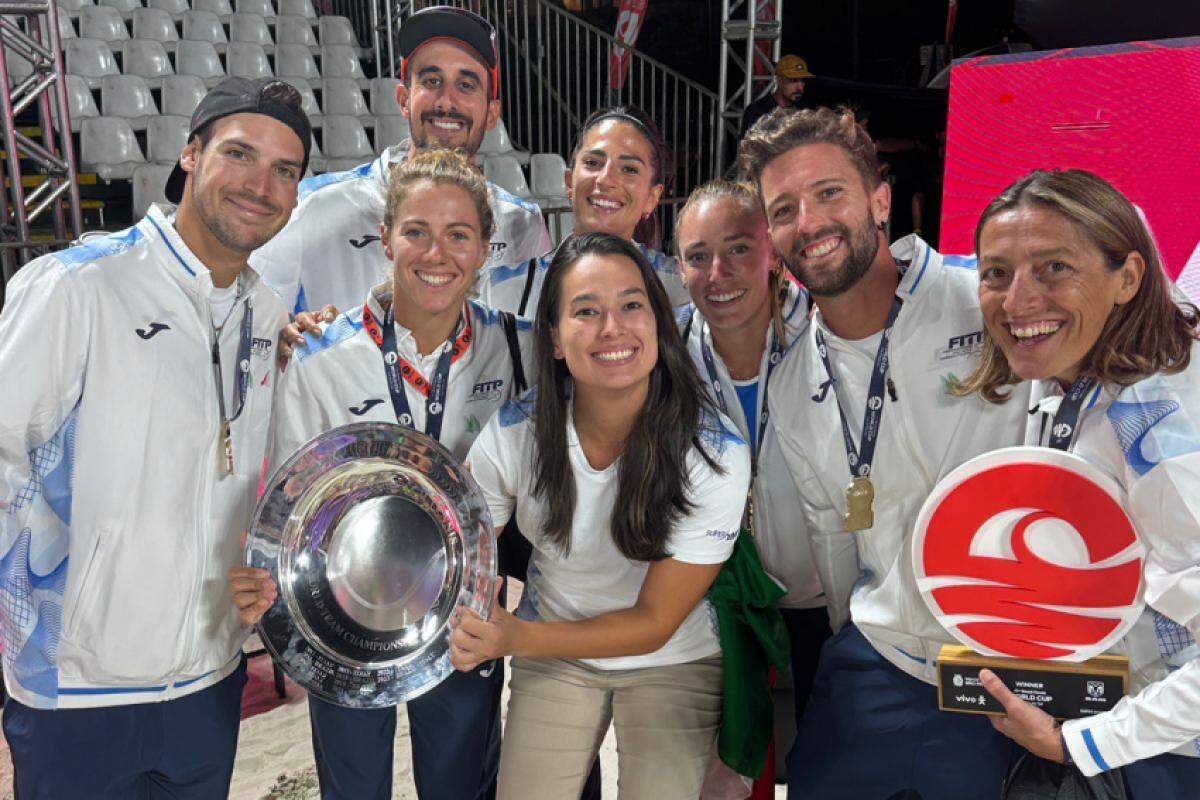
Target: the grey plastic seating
(90, 59)
(342, 96)
(128, 96)
(204, 26)
(546, 178)
(173, 7)
(103, 23)
(302, 8)
(181, 94)
(390, 129)
(346, 142)
(248, 60)
(200, 59)
(80, 103)
(148, 59)
(108, 147)
(261, 7)
(221, 8)
(383, 96)
(336, 30)
(149, 186)
(251, 28)
(294, 29)
(166, 137)
(341, 61)
(296, 61)
(504, 170)
(124, 7)
(155, 24)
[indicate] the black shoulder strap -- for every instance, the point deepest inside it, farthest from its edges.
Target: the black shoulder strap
(533, 265)
(514, 351)
(687, 329)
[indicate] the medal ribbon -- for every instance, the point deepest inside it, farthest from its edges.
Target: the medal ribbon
(244, 342)
(1062, 432)
(860, 458)
(399, 371)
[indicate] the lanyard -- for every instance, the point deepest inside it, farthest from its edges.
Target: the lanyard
(1062, 432)
(860, 457)
(243, 381)
(764, 385)
(399, 371)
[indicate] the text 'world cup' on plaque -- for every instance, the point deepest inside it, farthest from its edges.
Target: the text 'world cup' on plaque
(1027, 557)
(377, 539)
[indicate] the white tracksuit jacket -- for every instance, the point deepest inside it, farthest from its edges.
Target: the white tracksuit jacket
(1147, 438)
(804, 566)
(924, 433)
(329, 252)
(339, 378)
(113, 577)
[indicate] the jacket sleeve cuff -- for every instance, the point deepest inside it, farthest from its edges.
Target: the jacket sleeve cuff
(1087, 746)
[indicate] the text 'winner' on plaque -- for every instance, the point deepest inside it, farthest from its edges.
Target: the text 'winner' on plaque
(1027, 557)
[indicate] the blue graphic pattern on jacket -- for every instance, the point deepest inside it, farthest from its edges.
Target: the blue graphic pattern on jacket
(31, 601)
(99, 247)
(1132, 422)
(1177, 646)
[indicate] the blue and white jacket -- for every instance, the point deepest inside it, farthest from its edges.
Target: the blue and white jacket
(516, 286)
(330, 250)
(1147, 438)
(113, 570)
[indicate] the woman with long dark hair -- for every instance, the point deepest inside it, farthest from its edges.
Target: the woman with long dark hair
(631, 489)
(618, 170)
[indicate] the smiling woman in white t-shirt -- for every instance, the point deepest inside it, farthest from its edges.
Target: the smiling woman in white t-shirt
(631, 488)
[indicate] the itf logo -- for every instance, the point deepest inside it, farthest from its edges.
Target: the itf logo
(1027, 552)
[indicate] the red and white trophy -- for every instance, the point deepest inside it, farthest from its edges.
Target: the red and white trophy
(1027, 556)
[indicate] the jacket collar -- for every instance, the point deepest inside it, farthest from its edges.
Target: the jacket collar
(178, 259)
(925, 266)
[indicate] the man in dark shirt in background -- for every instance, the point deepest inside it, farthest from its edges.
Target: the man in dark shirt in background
(790, 74)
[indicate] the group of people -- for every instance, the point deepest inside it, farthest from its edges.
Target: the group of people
(643, 420)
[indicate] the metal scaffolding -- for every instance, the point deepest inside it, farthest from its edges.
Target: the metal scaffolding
(30, 48)
(750, 47)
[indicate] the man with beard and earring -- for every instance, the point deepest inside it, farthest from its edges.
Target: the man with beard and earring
(330, 253)
(129, 458)
(868, 424)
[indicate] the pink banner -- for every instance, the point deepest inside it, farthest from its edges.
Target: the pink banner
(629, 24)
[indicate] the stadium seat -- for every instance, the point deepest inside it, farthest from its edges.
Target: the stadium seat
(261, 7)
(248, 61)
(389, 130)
(149, 186)
(504, 170)
(181, 94)
(497, 142)
(341, 61)
(346, 143)
(124, 7)
(546, 176)
(221, 8)
(18, 68)
(296, 61)
(109, 148)
(336, 30)
(165, 139)
(342, 96)
(383, 96)
(66, 28)
(302, 8)
(103, 23)
(316, 160)
(308, 99)
(155, 24)
(173, 7)
(128, 97)
(73, 7)
(200, 59)
(80, 103)
(561, 226)
(292, 29)
(204, 26)
(148, 59)
(90, 59)
(251, 28)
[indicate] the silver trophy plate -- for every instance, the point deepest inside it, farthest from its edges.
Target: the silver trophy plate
(377, 539)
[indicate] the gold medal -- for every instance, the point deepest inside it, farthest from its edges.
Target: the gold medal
(226, 448)
(748, 514)
(860, 496)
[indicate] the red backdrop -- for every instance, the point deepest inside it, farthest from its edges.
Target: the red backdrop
(1130, 113)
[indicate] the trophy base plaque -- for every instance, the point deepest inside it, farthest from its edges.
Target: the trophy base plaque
(1063, 690)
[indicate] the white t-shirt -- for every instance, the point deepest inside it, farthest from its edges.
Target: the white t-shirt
(852, 361)
(595, 578)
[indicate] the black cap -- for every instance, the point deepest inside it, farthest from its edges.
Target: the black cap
(268, 96)
(447, 22)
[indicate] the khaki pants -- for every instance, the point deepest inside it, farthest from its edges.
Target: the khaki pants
(666, 721)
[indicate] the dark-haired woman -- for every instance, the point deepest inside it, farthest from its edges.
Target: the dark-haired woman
(618, 170)
(631, 489)
(1074, 299)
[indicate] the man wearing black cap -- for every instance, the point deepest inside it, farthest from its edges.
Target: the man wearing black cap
(330, 253)
(129, 459)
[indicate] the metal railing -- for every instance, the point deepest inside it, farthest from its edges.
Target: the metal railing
(554, 71)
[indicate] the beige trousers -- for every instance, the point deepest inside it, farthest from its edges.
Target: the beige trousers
(666, 721)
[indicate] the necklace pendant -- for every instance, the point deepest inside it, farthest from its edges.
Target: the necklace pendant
(860, 497)
(226, 447)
